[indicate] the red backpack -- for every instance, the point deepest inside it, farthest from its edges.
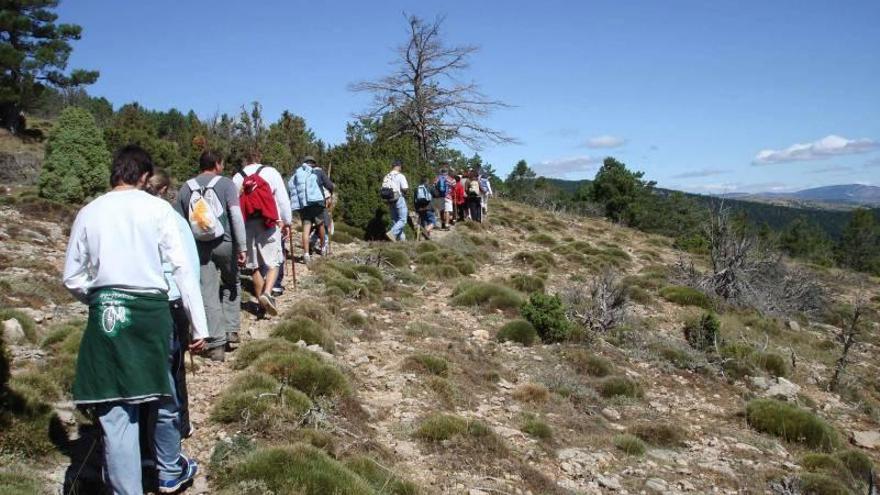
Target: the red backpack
(256, 199)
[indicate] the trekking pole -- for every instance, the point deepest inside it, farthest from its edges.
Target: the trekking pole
(292, 260)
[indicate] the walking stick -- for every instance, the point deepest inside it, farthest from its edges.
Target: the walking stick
(292, 260)
(327, 228)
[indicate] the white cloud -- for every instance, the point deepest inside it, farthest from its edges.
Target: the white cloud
(562, 167)
(706, 172)
(831, 145)
(605, 141)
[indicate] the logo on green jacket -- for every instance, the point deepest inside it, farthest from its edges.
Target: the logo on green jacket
(114, 317)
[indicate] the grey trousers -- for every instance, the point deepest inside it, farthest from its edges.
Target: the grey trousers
(221, 290)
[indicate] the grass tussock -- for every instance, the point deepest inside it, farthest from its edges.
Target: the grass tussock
(587, 363)
(305, 329)
(304, 371)
(660, 434)
(351, 280)
(426, 363)
(520, 331)
(447, 427)
(488, 295)
(741, 359)
(532, 393)
(443, 389)
(259, 401)
(620, 386)
(15, 480)
(536, 428)
(526, 283)
(33, 291)
(542, 239)
(379, 478)
(541, 261)
(355, 319)
(444, 264)
(792, 424)
(630, 444)
(250, 351)
(685, 296)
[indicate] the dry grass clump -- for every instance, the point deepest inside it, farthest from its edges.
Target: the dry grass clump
(33, 291)
(15, 480)
(526, 283)
(444, 264)
(792, 424)
(259, 401)
(588, 363)
(350, 279)
(253, 349)
(741, 359)
(630, 444)
(541, 261)
(355, 319)
(394, 256)
(660, 434)
(846, 471)
(485, 294)
(542, 239)
(305, 329)
(520, 331)
(444, 389)
(442, 427)
(685, 296)
(536, 428)
(380, 478)
(426, 363)
(678, 356)
(305, 371)
(533, 393)
(620, 386)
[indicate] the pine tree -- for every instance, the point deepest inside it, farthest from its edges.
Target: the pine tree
(859, 246)
(77, 162)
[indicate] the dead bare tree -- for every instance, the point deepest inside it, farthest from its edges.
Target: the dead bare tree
(425, 92)
(598, 306)
(851, 321)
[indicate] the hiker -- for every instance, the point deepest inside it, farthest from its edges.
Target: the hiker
(473, 202)
(485, 194)
(307, 199)
(394, 188)
(114, 264)
(459, 197)
(158, 185)
(442, 192)
(265, 206)
(210, 202)
(424, 208)
(325, 229)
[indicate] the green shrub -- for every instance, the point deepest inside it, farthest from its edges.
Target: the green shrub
(675, 355)
(685, 296)
(304, 371)
(351, 280)
(342, 238)
(395, 257)
(249, 399)
(534, 427)
(638, 295)
(77, 164)
(660, 434)
(16, 481)
(519, 331)
(539, 260)
(858, 464)
(355, 232)
(702, 333)
(543, 239)
(630, 444)
(440, 427)
(820, 484)
(489, 295)
(355, 319)
(27, 323)
(296, 469)
(791, 423)
(828, 465)
(30, 427)
(38, 384)
(300, 328)
(527, 283)
(426, 363)
(382, 480)
(620, 386)
(547, 315)
(253, 349)
(586, 362)
(772, 363)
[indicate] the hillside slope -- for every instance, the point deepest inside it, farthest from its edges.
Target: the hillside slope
(405, 387)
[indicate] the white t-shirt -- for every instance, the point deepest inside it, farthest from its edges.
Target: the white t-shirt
(396, 181)
(276, 183)
(121, 240)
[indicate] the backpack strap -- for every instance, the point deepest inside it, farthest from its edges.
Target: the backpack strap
(242, 174)
(193, 185)
(213, 182)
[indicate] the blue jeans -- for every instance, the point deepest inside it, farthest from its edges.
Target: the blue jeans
(121, 435)
(398, 217)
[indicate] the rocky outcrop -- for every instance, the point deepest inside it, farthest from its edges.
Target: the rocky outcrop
(20, 167)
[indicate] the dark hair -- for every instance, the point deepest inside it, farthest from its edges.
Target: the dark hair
(160, 180)
(424, 179)
(209, 160)
(129, 164)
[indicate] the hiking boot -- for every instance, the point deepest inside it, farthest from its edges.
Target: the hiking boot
(216, 354)
(233, 338)
(390, 236)
(190, 468)
(277, 291)
(268, 303)
(307, 259)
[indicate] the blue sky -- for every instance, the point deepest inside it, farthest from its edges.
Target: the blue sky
(706, 96)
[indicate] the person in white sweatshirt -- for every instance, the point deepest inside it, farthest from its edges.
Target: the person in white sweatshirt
(114, 264)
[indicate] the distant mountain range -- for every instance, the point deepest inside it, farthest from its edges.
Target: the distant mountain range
(848, 195)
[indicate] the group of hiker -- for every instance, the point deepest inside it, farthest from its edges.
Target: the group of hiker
(162, 277)
(454, 197)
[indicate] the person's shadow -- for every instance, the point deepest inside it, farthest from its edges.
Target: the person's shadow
(377, 226)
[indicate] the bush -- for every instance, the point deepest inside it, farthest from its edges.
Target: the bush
(250, 351)
(519, 331)
(620, 386)
(304, 329)
(527, 283)
(772, 363)
(382, 480)
(441, 427)
(630, 444)
(535, 427)
(685, 296)
(394, 257)
(858, 464)
(77, 164)
(791, 423)
(828, 465)
(660, 434)
(426, 363)
(547, 315)
(355, 319)
(585, 362)
(539, 260)
(351, 280)
(304, 371)
(488, 295)
(820, 484)
(675, 355)
(702, 333)
(26, 322)
(298, 467)
(248, 399)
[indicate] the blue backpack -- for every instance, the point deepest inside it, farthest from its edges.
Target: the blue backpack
(423, 196)
(440, 187)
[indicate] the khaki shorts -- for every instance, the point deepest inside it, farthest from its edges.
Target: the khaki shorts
(264, 246)
(443, 204)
